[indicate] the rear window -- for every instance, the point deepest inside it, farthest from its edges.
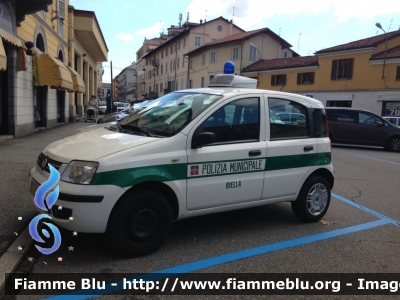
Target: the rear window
(347, 116)
(320, 128)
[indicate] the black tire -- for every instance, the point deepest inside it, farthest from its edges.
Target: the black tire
(393, 144)
(313, 200)
(140, 223)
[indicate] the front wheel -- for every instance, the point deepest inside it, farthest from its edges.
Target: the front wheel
(140, 223)
(313, 200)
(393, 144)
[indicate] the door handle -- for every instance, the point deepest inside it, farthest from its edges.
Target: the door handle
(255, 153)
(308, 148)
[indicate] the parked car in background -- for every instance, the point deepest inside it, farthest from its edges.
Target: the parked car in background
(393, 120)
(117, 116)
(121, 105)
(274, 118)
(102, 107)
(291, 118)
(361, 127)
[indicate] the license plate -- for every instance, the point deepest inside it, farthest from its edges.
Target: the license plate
(34, 187)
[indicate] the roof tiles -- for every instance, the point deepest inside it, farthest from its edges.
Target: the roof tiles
(390, 53)
(283, 63)
(364, 43)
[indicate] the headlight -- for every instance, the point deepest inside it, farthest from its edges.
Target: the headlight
(80, 172)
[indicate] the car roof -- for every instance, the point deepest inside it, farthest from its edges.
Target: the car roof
(227, 90)
(349, 108)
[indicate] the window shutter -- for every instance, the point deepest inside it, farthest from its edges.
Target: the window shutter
(61, 8)
(398, 73)
(273, 80)
(334, 69)
(312, 74)
(350, 63)
(298, 78)
(284, 79)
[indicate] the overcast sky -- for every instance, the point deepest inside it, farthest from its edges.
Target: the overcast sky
(308, 25)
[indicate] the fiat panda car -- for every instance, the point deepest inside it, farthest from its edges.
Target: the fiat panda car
(196, 152)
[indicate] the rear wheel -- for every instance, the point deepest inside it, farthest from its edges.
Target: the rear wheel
(140, 223)
(313, 200)
(393, 144)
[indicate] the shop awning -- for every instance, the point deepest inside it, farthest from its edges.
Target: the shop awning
(3, 57)
(53, 73)
(79, 85)
(11, 39)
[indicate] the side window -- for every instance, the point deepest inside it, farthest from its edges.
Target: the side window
(339, 115)
(238, 121)
(320, 128)
(366, 118)
(292, 119)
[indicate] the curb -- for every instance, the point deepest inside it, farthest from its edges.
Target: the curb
(10, 260)
(6, 137)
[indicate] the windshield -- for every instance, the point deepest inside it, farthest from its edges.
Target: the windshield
(102, 103)
(167, 115)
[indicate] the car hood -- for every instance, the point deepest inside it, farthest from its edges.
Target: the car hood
(93, 143)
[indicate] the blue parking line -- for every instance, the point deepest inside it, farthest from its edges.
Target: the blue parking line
(366, 209)
(366, 156)
(225, 258)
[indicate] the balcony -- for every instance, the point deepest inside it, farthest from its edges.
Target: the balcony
(88, 32)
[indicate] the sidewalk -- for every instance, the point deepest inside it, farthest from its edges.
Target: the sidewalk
(17, 157)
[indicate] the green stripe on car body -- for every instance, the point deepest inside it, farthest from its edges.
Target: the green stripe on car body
(171, 172)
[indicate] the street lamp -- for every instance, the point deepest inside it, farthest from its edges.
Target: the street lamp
(384, 54)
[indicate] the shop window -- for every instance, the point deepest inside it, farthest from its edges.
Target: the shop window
(335, 103)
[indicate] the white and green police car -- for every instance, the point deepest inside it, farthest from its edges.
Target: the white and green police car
(190, 153)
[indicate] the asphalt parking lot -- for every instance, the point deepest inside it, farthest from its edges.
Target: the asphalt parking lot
(359, 234)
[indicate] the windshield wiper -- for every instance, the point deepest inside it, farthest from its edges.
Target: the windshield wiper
(135, 128)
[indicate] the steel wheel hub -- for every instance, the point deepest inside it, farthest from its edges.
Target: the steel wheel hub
(317, 199)
(143, 223)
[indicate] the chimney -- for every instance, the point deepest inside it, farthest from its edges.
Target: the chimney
(230, 27)
(201, 21)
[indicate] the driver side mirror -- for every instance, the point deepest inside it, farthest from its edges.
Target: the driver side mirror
(203, 138)
(379, 123)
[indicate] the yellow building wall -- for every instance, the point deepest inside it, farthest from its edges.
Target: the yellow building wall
(52, 38)
(269, 48)
(365, 76)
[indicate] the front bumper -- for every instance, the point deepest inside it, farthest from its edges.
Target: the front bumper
(89, 205)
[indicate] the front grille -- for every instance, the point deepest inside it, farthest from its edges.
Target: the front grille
(54, 163)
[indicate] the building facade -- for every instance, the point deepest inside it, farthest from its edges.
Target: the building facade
(242, 49)
(167, 66)
(51, 52)
(126, 84)
(363, 74)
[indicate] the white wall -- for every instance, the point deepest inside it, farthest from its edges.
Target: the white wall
(368, 100)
